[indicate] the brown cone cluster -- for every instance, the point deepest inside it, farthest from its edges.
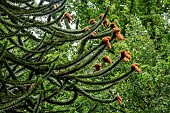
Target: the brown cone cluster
(87, 29)
(106, 41)
(116, 30)
(119, 99)
(107, 59)
(125, 59)
(68, 16)
(98, 67)
(106, 21)
(93, 35)
(135, 66)
(126, 54)
(92, 21)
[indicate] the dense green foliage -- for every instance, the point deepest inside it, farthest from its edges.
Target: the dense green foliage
(48, 66)
(145, 25)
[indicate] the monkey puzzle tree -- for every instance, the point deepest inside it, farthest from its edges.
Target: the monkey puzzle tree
(34, 56)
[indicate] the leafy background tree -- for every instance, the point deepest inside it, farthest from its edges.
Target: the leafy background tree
(145, 27)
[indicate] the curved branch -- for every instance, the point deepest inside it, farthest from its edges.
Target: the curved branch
(84, 93)
(99, 73)
(65, 102)
(115, 81)
(20, 99)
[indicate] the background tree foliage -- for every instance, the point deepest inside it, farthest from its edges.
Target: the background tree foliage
(29, 47)
(145, 25)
